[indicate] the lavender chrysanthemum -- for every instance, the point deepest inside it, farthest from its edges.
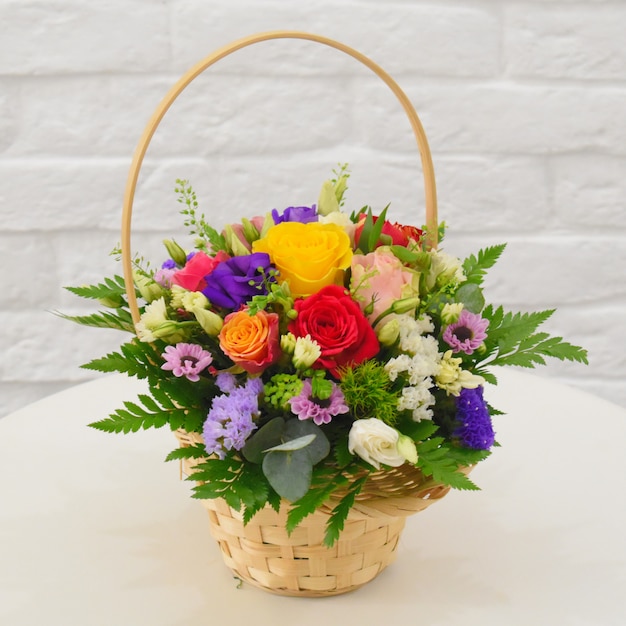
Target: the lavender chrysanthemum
(305, 406)
(467, 333)
(231, 418)
(474, 428)
(186, 359)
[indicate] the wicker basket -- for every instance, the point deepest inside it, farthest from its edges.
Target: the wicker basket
(262, 552)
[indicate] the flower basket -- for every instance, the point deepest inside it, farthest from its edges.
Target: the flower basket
(265, 555)
(323, 373)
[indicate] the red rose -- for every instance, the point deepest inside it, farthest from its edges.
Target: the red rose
(335, 321)
(200, 265)
(394, 231)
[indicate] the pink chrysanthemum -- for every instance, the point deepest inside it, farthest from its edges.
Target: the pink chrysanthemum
(186, 359)
(467, 333)
(320, 411)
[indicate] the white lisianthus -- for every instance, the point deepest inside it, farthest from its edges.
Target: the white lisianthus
(452, 378)
(305, 352)
(375, 442)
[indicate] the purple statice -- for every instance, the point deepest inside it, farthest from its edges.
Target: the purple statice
(302, 214)
(186, 359)
(467, 333)
(231, 418)
(306, 406)
(474, 428)
(168, 264)
(235, 281)
(226, 382)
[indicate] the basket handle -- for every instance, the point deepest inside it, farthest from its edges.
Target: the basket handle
(133, 175)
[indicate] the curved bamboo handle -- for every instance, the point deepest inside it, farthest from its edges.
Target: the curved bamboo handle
(175, 91)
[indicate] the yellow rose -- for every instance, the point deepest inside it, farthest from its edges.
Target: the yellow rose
(308, 256)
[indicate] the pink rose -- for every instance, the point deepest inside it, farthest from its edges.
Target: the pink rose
(192, 276)
(381, 276)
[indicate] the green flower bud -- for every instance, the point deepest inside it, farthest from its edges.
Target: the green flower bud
(249, 231)
(175, 251)
(113, 302)
(211, 322)
(407, 448)
(389, 333)
(234, 243)
(405, 305)
(288, 343)
(148, 289)
(327, 202)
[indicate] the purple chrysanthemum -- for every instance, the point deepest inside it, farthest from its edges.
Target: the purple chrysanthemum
(305, 406)
(467, 333)
(186, 359)
(474, 428)
(231, 418)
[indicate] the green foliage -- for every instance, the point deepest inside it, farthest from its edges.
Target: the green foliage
(239, 483)
(134, 417)
(135, 358)
(119, 319)
(197, 224)
(340, 513)
(436, 459)
(197, 451)
(371, 232)
(475, 267)
(511, 340)
(111, 292)
(368, 392)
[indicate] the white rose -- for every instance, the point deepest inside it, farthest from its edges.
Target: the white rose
(375, 442)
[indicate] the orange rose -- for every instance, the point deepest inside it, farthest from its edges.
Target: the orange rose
(308, 256)
(251, 341)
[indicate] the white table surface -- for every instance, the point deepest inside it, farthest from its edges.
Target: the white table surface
(96, 530)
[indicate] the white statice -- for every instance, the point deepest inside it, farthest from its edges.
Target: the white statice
(419, 362)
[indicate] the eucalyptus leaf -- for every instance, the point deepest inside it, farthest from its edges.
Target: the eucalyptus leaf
(471, 295)
(289, 473)
(319, 447)
(293, 444)
(265, 438)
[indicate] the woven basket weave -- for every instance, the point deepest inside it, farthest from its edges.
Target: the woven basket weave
(262, 552)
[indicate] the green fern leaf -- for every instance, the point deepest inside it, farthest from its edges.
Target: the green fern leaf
(475, 267)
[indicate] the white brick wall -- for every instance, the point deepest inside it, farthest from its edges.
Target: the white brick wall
(523, 101)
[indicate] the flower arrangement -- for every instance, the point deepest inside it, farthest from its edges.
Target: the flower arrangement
(312, 349)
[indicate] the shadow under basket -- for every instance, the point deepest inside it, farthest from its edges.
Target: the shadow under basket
(264, 555)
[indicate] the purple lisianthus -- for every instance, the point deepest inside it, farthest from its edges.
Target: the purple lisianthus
(474, 428)
(302, 214)
(305, 406)
(235, 281)
(467, 333)
(231, 418)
